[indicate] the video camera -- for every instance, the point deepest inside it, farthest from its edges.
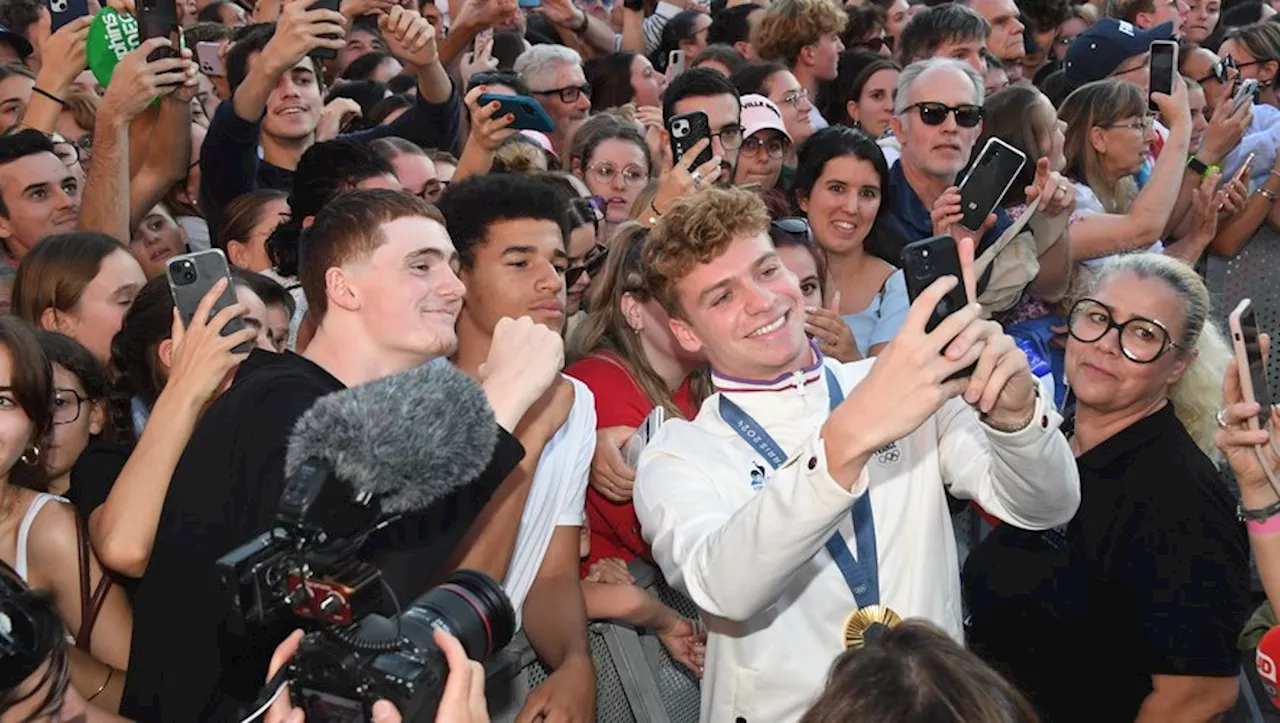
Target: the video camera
(307, 566)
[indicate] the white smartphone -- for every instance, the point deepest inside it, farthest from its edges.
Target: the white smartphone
(210, 62)
(1254, 387)
(645, 432)
(675, 63)
(987, 181)
(1244, 93)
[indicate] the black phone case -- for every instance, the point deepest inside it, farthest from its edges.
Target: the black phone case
(1160, 77)
(62, 12)
(325, 53)
(685, 131)
(210, 266)
(158, 19)
(986, 184)
(926, 261)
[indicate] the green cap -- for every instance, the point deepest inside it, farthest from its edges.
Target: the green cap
(111, 37)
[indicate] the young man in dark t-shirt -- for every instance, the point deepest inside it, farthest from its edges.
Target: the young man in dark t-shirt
(379, 275)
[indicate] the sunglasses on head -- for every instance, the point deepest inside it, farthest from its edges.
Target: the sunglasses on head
(935, 114)
(797, 227)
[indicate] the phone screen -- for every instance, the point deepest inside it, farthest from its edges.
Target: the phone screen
(1257, 365)
(1164, 63)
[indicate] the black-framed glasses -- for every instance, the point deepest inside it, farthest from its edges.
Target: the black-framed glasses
(775, 147)
(935, 114)
(797, 227)
(591, 265)
(66, 405)
(85, 146)
(1220, 71)
(730, 137)
(568, 94)
(67, 152)
(1142, 340)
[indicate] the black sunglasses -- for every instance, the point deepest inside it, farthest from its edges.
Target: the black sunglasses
(591, 264)
(795, 227)
(1220, 71)
(935, 114)
(874, 44)
(568, 94)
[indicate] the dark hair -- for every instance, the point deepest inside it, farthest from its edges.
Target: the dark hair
(13, 146)
(252, 39)
(403, 84)
(1056, 87)
(837, 142)
(363, 67)
(753, 76)
(783, 239)
(19, 15)
(72, 356)
(863, 20)
(726, 55)
(1044, 15)
(325, 170)
(937, 26)
(855, 68)
(268, 289)
(55, 272)
(383, 109)
(1007, 115)
(677, 30)
(31, 382)
(1245, 13)
(695, 83)
(134, 362)
(731, 25)
(347, 229)
(610, 80)
(507, 46)
(206, 32)
(469, 208)
(366, 94)
(212, 12)
(600, 128)
(39, 627)
(499, 77)
(243, 213)
(916, 672)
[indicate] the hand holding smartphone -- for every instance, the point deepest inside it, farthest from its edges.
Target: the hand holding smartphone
(987, 181)
(191, 276)
(926, 261)
(529, 115)
(62, 12)
(1163, 71)
(159, 19)
(686, 130)
(1251, 364)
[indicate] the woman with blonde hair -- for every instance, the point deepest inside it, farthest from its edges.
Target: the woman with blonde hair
(1149, 582)
(626, 354)
(1109, 134)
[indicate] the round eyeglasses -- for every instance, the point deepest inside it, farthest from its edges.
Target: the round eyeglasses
(1142, 340)
(66, 405)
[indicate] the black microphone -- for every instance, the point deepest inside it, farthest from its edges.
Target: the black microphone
(407, 440)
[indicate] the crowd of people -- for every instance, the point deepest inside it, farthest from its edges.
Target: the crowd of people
(379, 212)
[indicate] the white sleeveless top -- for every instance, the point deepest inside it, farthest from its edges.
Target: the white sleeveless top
(24, 529)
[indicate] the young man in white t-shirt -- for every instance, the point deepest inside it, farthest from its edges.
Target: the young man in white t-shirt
(511, 233)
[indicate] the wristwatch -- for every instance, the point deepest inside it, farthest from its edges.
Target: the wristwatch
(1200, 168)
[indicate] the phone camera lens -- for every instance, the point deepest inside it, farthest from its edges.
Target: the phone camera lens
(184, 273)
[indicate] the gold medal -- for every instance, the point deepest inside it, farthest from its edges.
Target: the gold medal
(861, 622)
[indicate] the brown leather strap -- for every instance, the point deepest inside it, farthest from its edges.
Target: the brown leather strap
(90, 604)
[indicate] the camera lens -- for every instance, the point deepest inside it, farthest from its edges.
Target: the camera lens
(469, 604)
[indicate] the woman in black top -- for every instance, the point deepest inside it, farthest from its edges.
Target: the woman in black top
(1131, 611)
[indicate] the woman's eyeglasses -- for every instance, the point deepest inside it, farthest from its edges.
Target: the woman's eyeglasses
(1142, 125)
(66, 405)
(632, 176)
(935, 114)
(591, 265)
(1142, 340)
(775, 147)
(875, 44)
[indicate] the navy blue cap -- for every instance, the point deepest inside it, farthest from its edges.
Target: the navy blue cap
(1099, 50)
(18, 42)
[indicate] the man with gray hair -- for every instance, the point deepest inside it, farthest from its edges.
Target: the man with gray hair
(555, 78)
(937, 117)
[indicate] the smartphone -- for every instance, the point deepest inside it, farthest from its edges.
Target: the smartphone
(325, 53)
(210, 62)
(926, 261)
(529, 114)
(1244, 93)
(530, 3)
(686, 130)
(675, 63)
(190, 278)
(1164, 70)
(159, 19)
(643, 434)
(1244, 168)
(62, 12)
(987, 181)
(1243, 324)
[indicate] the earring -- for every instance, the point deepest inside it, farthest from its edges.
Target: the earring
(31, 458)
